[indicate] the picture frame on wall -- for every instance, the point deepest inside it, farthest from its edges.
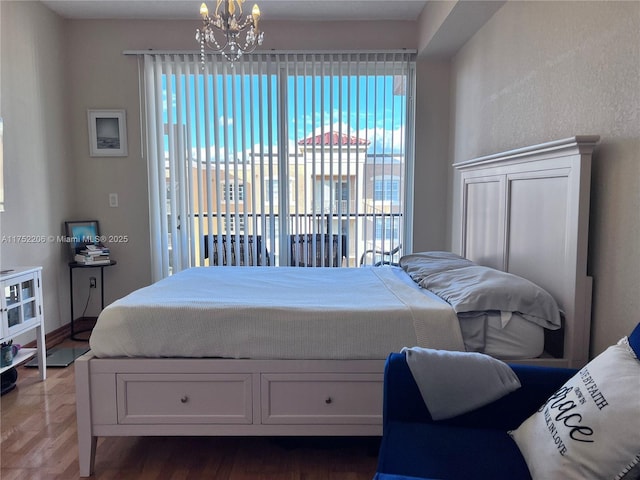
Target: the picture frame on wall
(107, 133)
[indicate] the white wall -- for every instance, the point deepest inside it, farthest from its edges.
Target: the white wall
(540, 71)
(38, 172)
(432, 156)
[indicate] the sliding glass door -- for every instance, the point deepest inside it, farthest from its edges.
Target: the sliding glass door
(278, 159)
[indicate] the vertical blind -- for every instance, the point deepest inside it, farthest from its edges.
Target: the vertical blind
(278, 159)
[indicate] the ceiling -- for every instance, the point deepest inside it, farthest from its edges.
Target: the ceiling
(305, 10)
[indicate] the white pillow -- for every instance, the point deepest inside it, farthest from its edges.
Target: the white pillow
(590, 428)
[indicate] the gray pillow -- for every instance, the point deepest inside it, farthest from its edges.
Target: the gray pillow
(469, 287)
(419, 265)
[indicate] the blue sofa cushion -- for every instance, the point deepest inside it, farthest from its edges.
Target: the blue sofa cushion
(428, 450)
(634, 340)
(403, 401)
(390, 476)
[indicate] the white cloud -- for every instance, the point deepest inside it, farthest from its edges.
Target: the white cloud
(384, 140)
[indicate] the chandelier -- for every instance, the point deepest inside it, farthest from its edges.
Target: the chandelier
(221, 31)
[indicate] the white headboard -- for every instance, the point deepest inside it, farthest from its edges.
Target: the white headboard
(526, 211)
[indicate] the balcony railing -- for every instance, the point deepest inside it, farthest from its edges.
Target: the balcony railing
(359, 230)
(336, 206)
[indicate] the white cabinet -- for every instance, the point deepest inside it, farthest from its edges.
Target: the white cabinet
(21, 306)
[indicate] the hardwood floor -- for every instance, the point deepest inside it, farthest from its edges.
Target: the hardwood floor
(39, 442)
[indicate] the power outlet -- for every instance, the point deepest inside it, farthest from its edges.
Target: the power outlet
(92, 282)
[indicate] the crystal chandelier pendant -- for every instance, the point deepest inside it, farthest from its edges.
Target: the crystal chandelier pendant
(228, 23)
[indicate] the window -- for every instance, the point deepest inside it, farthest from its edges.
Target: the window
(233, 192)
(387, 231)
(387, 189)
(271, 190)
(232, 227)
(277, 145)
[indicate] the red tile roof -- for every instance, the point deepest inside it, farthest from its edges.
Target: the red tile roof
(334, 138)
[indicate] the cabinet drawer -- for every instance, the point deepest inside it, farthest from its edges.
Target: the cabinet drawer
(184, 398)
(321, 398)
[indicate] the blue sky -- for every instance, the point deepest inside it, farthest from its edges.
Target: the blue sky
(365, 107)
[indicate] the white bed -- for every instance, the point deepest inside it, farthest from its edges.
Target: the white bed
(276, 313)
(524, 211)
(299, 313)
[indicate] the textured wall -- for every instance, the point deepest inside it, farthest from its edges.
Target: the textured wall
(540, 71)
(38, 174)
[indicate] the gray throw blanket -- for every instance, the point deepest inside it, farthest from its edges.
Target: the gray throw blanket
(453, 383)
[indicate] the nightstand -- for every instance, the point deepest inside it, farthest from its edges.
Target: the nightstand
(72, 267)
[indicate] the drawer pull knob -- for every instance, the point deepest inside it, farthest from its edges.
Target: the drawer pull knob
(184, 399)
(328, 400)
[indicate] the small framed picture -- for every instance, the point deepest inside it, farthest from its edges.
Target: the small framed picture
(107, 133)
(81, 233)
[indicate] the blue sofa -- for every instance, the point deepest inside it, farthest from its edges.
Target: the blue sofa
(473, 445)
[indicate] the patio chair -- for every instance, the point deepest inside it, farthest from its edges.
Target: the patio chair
(237, 250)
(317, 250)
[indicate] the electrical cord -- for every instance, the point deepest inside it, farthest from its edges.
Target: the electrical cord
(87, 303)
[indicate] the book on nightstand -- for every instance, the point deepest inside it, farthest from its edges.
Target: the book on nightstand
(92, 259)
(95, 250)
(92, 254)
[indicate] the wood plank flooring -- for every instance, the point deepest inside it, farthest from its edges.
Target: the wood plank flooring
(39, 442)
